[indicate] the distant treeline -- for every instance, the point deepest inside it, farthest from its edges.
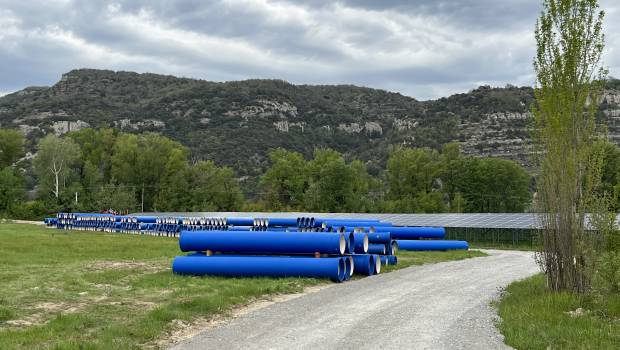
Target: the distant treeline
(96, 170)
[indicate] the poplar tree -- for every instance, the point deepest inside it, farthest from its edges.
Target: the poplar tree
(569, 85)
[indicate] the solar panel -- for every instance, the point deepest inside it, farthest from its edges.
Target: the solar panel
(473, 220)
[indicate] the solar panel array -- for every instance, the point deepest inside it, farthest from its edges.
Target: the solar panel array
(476, 220)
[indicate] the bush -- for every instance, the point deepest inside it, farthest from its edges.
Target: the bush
(606, 281)
(34, 210)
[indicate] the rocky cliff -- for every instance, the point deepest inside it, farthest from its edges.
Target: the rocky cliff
(237, 123)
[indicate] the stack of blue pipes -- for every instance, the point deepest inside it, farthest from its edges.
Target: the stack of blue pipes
(259, 246)
(276, 247)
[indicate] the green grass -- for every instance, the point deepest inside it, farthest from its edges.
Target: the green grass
(502, 246)
(409, 258)
(533, 317)
(112, 291)
(64, 283)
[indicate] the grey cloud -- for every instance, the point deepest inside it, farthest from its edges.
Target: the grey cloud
(425, 48)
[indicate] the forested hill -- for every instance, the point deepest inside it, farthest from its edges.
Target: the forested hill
(236, 123)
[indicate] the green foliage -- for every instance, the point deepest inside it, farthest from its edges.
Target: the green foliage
(55, 165)
(11, 189)
(491, 185)
(610, 178)
(325, 183)
(124, 172)
(569, 85)
(424, 180)
(11, 146)
(143, 161)
(213, 188)
(97, 147)
(331, 182)
(412, 178)
(533, 317)
(284, 183)
(415, 180)
(119, 198)
(32, 210)
(606, 280)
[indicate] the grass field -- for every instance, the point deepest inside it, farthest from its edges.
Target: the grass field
(68, 290)
(532, 317)
(489, 245)
(407, 258)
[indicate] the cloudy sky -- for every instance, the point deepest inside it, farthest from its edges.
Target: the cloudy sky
(425, 48)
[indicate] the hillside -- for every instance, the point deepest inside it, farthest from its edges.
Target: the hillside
(237, 123)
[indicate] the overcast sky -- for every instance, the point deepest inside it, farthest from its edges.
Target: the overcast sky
(425, 49)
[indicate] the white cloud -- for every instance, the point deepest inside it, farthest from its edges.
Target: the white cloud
(424, 49)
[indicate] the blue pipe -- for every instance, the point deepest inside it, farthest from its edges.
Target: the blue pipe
(431, 245)
(289, 222)
(240, 221)
(251, 266)
(349, 267)
(360, 243)
(304, 221)
(266, 242)
(377, 259)
(384, 259)
(350, 237)
(354, 223)
(146, 219)
(375, 248)
(320, 221)
(240, 228)
(380, 237)
(389, 259)
(392, 260)
(391, 248)
(364, 264)
(413, 232)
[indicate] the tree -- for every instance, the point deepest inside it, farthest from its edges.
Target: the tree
(175, 184)
(363, 185)
(11, 146)
(54, 163)
(142, 162)
(569, 82)
(213, 188)
(610, 180)
(331, 182)
(117, 197)
(493, 185)
(97, 148)
(412, 175)
(11, 189)
(284, 183)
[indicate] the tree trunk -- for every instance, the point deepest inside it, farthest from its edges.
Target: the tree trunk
(57, 185)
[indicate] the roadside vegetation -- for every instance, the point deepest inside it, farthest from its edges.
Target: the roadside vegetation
(534, 317)
(69, 289)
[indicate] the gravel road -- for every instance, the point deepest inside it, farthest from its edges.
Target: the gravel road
(436, 306)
